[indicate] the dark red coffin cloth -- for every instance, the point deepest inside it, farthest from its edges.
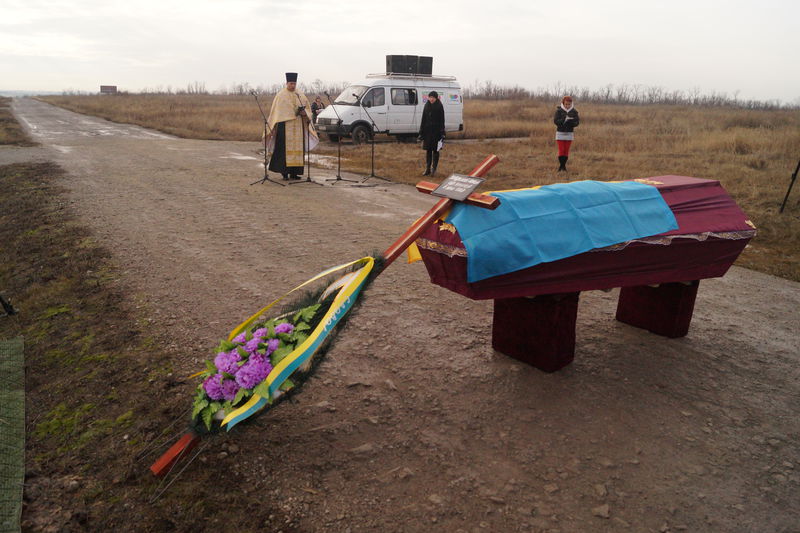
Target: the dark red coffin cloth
(712, 232)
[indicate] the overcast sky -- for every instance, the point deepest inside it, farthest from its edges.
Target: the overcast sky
(752, 47)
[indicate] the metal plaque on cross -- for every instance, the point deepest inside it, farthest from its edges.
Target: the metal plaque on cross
(457, 187)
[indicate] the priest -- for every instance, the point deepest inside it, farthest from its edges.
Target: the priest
(293, 134)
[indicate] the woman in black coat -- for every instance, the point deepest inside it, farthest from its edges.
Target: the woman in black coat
(431, 131)
(566, 120)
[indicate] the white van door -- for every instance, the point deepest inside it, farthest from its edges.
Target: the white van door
(453, 109)
(375, 103)
(403, 110)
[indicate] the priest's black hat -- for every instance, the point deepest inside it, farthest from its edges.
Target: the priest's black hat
(291, 77)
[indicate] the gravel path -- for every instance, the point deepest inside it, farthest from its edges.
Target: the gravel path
(413, 423)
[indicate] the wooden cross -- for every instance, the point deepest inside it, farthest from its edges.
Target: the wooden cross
(439, 209)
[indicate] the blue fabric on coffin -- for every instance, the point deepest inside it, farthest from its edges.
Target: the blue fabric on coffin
(535, 226)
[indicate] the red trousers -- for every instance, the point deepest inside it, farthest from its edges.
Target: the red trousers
(563, 147)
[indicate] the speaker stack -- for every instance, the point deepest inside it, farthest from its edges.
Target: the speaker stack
(425, 65)
(413, 65)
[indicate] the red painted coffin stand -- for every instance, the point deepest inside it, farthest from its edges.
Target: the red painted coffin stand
(536, 308)
(539, 331)
(664, 310)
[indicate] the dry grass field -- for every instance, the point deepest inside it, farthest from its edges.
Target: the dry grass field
(752, 152)
(221, 118)
(10, 130)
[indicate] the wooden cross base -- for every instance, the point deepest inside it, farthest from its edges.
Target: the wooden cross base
(540, 330)
(177, 451)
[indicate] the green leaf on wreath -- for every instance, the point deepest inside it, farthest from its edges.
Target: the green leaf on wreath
(210, 367)
(287, 385)
(199, 406)
(262, 389)
(240, 394)
(280, 354)
(207, 414)
(302, 326)
(300, 338)
(306, 314)
(226, 346)
(270, 326)
(242, 352)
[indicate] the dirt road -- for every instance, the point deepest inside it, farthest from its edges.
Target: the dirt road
(413, 423)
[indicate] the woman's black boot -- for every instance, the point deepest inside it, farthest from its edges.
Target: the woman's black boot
(435, 163)
(427, 163)
(562, 162)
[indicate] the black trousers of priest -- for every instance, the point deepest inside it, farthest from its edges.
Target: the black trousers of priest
(278, 161)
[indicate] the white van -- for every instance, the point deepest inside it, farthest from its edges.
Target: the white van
(394, 102)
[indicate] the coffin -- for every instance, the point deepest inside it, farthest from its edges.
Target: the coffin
(712, 232)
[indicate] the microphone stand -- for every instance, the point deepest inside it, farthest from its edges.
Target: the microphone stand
(791, 183)
(338, 146)
(372, 138)
(266, 130)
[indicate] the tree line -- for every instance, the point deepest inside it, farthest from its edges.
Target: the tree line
(627, 94)
(619, 94)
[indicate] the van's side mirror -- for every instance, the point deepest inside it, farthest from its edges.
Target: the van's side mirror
(367, 104)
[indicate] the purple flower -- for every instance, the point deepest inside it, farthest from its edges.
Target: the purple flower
(229, 389)
(260, 333)
(285, 327)
(254, 371)
(252, 344)
(240, 338)
(272, 345)
(213, 387)
(226, 361)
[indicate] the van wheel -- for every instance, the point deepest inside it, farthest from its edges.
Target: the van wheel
(333, 138)
(361, 135)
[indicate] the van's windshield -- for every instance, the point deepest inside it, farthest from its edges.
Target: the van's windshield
(351, 95)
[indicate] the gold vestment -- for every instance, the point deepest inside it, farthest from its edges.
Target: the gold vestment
(284, 109)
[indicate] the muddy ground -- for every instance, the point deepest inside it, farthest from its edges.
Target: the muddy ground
(413, 422)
